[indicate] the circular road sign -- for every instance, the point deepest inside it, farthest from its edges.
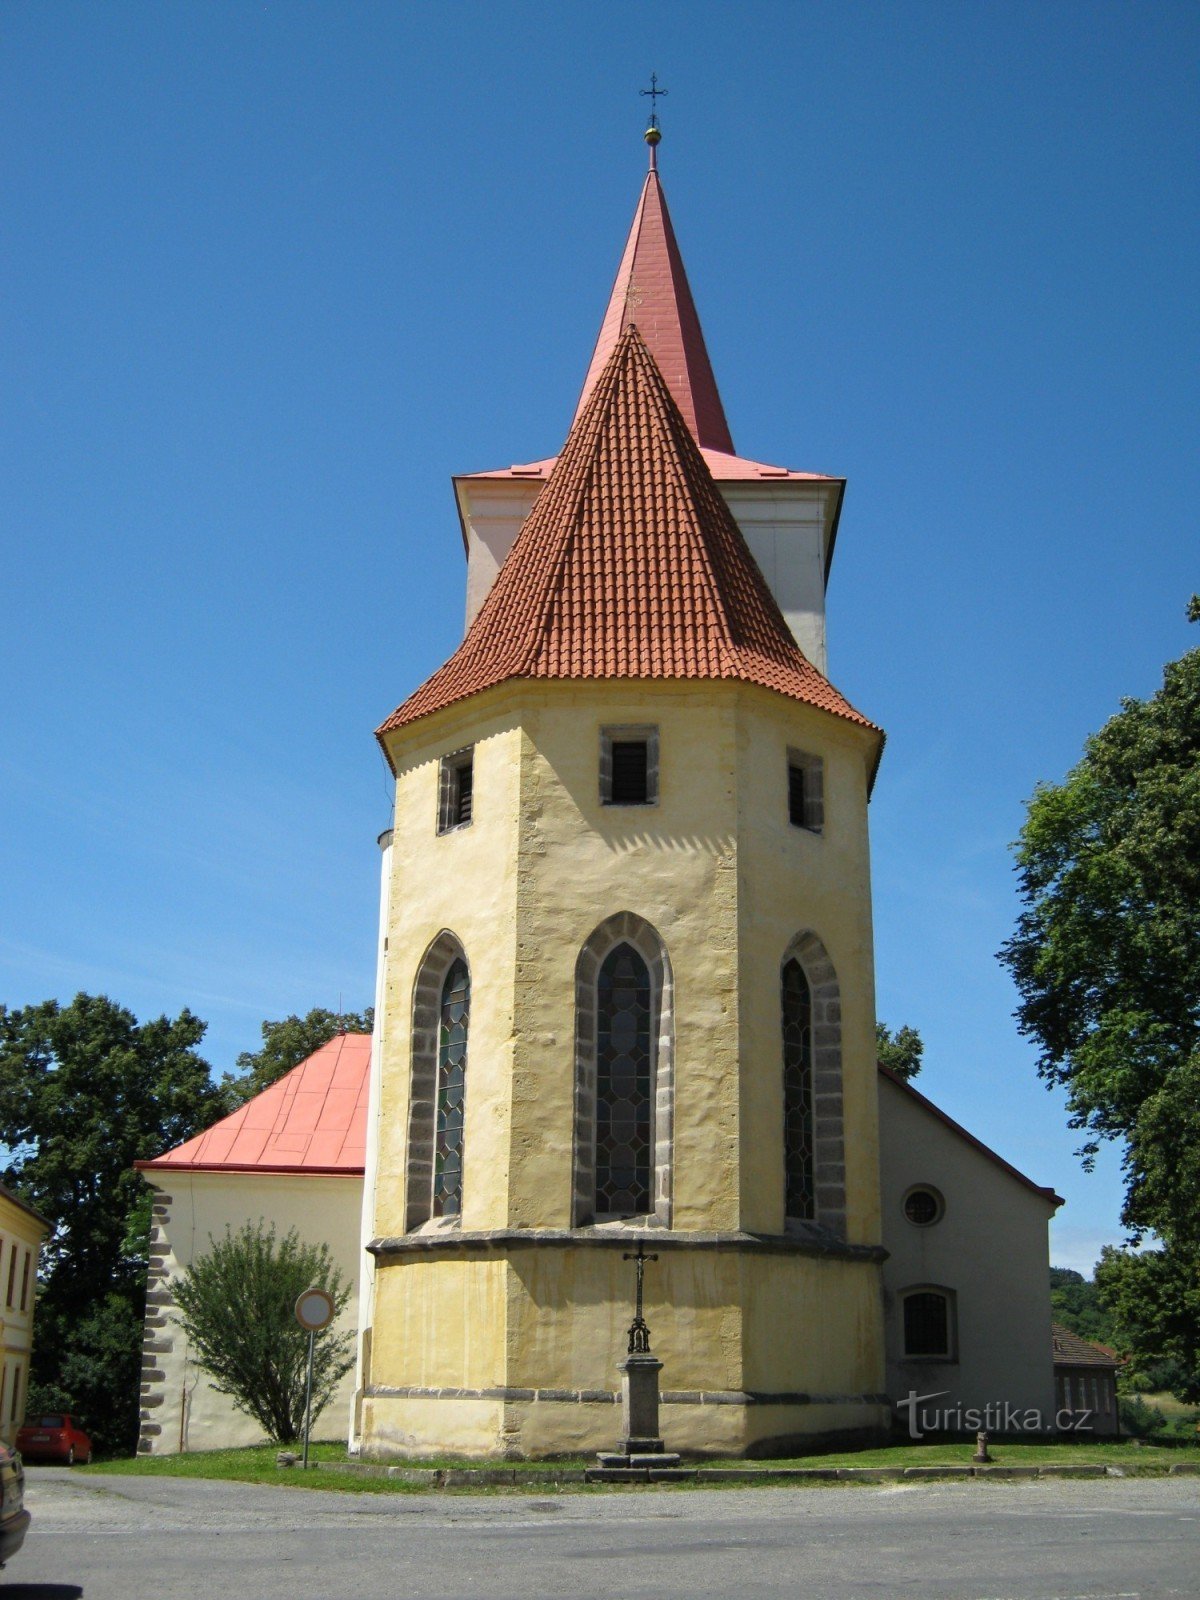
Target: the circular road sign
(314, 1310)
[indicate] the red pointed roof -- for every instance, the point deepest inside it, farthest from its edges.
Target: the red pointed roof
(630, 565)
(313, 1120)
(652, 291)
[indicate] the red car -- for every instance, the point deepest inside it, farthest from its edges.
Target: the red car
(54, 1437)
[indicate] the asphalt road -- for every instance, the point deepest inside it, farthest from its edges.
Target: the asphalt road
(114, 1538)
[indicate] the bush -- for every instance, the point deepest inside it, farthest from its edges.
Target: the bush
(237, 1307)
(1138, 1419)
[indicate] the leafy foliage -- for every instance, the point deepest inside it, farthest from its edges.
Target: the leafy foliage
(1075, 1302)
(1106, 955)
(1154, 1298)
(85, 1091)
(285, 1045)
(237, 1307)
(1106, 958)
(899, 1052)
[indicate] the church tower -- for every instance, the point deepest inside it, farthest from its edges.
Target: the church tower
(627, 980)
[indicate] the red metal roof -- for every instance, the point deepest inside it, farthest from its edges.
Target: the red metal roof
(724, 468)
(652, 291)
(630, 565)
(313, 1120)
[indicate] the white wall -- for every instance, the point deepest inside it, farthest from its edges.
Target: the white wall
(180, 1408)
(991, 1247)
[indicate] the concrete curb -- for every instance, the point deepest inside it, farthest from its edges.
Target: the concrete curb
(550, 1476)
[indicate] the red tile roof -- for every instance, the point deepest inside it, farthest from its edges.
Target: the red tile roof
(652, 291)
(629, 566)
(313, 1120)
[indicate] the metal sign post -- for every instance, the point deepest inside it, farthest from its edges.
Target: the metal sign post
(314, 1311)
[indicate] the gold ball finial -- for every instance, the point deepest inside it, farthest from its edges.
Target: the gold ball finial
(653, 135)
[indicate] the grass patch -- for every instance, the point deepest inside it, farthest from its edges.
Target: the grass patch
(256, 1464)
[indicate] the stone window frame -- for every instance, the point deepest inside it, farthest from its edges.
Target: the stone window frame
(450, 770)
(829, 1149)
(812, 769)
(624, 927)
(939, 1205)
(950, 1299)
(432, 969)
(619, 734)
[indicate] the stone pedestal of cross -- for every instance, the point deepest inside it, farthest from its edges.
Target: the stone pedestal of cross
(640, 1444)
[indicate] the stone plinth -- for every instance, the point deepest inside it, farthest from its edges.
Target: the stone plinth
(640, 1445)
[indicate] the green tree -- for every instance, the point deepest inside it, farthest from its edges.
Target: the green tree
(1154, 1298)
(1076, 1303)
(285, 1045)
(85, 1091)
(1106, 958)
(899, 1052)
(237, 1307)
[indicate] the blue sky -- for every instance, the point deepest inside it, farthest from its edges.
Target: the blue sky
(273, 272)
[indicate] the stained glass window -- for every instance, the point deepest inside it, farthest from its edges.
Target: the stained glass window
(624, 1085)
(451, 1091)
(797, 1093)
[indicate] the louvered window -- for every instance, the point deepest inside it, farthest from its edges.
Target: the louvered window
(456, 786)
(629, 766)
(806, 791)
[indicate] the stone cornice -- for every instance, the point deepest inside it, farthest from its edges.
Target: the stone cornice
(501, 1241)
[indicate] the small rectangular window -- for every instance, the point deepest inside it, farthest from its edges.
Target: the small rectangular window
(806, 791)
(928, 1325)
(25, 1282)
(629, 766)
(456, 787)
(12, 1276)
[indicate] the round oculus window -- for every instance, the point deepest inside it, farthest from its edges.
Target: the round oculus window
(923, 1206)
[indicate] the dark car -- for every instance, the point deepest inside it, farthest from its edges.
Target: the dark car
(54, 1437)
(14, 1519)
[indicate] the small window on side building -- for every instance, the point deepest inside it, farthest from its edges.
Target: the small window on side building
(629, 766)
(806, 791)
(456, 789)
(929, 1325)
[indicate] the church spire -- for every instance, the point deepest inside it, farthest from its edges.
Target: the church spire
(652, 290)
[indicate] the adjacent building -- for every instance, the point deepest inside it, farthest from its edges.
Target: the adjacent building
(22, 1231)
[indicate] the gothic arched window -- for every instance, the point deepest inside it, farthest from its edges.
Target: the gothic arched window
(437, 1091)
(799, 1185)
(624, 1086)
(624, 1074)
(451, 1091)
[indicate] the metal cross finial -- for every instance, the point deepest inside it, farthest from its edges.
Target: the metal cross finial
(639, 1333)
(654, 92)
(653, 133)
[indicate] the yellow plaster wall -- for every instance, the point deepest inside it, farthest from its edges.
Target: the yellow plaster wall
(791, 881)
(717, 869)
(21, 1238)
(673, 864)
(463, 881)
(441, 1324)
